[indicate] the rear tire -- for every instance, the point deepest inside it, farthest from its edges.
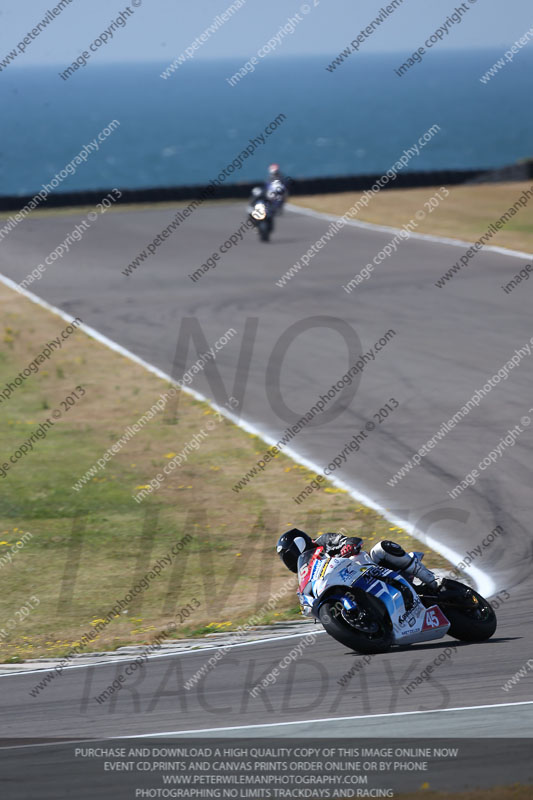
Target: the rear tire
(378, 641)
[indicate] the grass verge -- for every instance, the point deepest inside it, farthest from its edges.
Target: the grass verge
(496, 793)
(515, 792)
(89, 547)
(465, 214)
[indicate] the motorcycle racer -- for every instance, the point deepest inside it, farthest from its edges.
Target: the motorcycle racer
(370, 602)
(277, 194)
(386, 553)
(277, 187)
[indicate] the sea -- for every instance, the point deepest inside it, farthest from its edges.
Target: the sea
(184, 130)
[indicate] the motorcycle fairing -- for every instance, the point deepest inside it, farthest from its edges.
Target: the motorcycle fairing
(323, 573)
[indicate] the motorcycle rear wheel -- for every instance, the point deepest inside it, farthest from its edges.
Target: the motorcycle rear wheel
(378, 640)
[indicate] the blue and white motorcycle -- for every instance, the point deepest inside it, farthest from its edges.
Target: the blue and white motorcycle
(369, 608)
(261, 213)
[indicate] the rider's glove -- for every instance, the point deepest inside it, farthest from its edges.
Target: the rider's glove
(348, 550)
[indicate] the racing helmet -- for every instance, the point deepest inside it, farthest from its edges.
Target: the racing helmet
(273, 170)
(291, 545)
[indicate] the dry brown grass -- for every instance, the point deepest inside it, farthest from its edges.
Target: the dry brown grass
(466, 214)
(516, 792)
(234, 534)
(496, 793)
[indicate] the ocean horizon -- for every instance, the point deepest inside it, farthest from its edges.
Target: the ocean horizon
(184, 130)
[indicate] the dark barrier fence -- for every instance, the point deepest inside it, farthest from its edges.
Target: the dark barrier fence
(298, 186)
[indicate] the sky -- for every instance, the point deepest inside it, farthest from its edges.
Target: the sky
(159, 30)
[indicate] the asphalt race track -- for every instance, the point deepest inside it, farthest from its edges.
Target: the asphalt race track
(447, 342)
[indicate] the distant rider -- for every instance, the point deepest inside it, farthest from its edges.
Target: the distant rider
(275, 174)
(276, 187)
(387, 554)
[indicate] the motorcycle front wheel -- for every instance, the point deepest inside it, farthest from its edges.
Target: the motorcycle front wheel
(472, 617)
(264, 230)
(368, 630)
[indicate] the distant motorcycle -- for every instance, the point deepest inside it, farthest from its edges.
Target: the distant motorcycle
(369, 608)
(262, 215)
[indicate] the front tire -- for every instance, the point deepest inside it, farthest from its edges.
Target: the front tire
(377, 639)
(472, 617)
(264, 230)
